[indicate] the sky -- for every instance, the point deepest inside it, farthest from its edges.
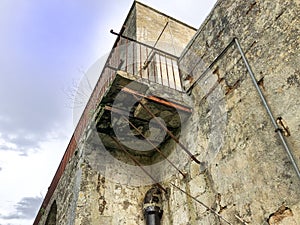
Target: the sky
(46, 47)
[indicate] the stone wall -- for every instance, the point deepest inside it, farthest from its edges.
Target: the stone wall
(105, 201)
(247, 176)
(151, 28)
(65, 195)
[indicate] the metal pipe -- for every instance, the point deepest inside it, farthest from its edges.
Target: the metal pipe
(152, 206)
(209, 67)
(159, 36)
(278, 131)
(141, 43)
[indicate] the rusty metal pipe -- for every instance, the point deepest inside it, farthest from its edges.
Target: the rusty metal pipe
(143, 44)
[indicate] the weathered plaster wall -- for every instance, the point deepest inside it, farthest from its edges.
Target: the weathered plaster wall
(104, 201)
(248, 175)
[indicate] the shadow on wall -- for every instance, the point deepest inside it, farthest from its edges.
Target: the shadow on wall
(51, 219)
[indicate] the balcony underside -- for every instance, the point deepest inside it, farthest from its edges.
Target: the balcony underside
(124, 120)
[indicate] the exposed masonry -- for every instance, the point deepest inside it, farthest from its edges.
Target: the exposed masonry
(245, 175)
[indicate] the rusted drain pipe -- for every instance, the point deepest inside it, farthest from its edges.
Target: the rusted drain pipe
(152, 207)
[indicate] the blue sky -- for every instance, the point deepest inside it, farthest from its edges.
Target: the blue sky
(45, 48)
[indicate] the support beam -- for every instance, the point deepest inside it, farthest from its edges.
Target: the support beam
(157, 100)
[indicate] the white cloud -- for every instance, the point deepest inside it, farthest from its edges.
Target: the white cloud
(26, 208)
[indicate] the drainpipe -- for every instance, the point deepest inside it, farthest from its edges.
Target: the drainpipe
(236, 42)
(152, 207)
(277, 129)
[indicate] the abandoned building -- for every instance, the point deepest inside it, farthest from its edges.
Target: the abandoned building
(189, 126)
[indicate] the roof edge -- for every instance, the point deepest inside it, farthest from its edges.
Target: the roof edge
(163, 14)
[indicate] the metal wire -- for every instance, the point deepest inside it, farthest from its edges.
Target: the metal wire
(167, 130)
(201, 203)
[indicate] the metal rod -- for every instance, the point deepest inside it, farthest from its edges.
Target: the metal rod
(133, 61)
(157, 149)
(138, 164)
(201, 203)
(210, 66)
(167, 72)
(168, 132)
(148, 46)
(161, 33)
(146, 61)
(160, 68)
(140, 69)
(173, 75)
(278, 131)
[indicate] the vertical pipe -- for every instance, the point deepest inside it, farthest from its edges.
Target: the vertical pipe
(286, 147)
(152, 206)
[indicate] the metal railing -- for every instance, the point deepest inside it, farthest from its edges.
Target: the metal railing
(145, 62)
